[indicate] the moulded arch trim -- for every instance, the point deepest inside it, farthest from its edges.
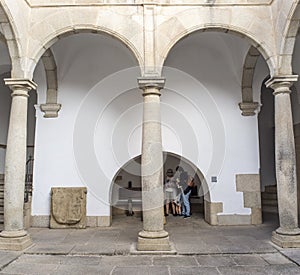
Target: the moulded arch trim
(205, 186)
(247, 106)
(244, 34)
(289, 40)
(80, 28)
(13, 46)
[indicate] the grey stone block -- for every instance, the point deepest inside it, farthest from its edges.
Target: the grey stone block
(234, 219)
(248, 183)
(30, 268)
(275, 258)
(175, 261)
(83, 269)
(126, 260)
(253, 260)
(8, 257)
(252, 199)
(102, 248)
(193, 270)
(215, 260)
(142, 270)
(293, 254)
(50, 249)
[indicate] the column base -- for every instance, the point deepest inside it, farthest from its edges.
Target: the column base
(286, 240)
(153, 241)
(14, 240)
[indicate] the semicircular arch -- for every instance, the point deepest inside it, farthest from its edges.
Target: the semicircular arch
(182, 161)
(76, 29)
(289, 40)
(9, 35)
(260, 46)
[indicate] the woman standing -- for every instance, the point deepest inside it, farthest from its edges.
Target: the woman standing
(170, 192)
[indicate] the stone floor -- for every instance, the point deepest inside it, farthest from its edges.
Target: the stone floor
(201, 249)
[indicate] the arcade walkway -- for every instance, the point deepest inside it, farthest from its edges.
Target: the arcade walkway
(201, 249)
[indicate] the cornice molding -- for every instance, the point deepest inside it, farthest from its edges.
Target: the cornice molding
(96, 3)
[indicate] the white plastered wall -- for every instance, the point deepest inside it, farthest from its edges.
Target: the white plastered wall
(99, 127)
(215, 60)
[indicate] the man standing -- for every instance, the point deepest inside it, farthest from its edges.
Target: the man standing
(186, 182)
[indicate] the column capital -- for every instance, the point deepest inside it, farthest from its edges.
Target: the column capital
(20, 86)
(155, 83)
(281, 84)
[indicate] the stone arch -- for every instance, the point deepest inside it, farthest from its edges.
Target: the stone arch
(135, 194)
(50, 108)
(75, 29)
(10, 35)
(260, 46)
(289, 39)
(247, 105)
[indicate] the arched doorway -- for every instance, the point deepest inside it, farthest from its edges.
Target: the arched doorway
(126, 190)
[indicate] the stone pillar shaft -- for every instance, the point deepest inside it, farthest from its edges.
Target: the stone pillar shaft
(152, 163)
(285, 159)
(153, 237)
(15, 163)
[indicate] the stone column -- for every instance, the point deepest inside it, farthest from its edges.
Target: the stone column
(288, 233)
(14, 237)
(153, 237)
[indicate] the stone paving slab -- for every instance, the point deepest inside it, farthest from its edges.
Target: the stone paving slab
(7, 257)
(275, 259)
(293, 254)
(126, 260)
(144, 270)
(175, 261)
(203, 264)
(29, 268)
(257, 270)
(194, 270)
(100, 248)
(40, 259)
(201, 249)
(51, 248)
(215, 260)
(253, 260)
(82, 269)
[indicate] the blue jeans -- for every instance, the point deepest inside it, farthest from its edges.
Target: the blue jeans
(186, 209)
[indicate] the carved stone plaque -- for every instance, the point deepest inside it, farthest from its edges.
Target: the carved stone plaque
(68, 207)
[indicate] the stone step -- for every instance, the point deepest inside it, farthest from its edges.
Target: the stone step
(269, 209)
(269, 196)
(270, 202)
(271, 189)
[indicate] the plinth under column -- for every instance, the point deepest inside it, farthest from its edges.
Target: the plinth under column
(14, 240)
(153, 241)
(286, 239)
